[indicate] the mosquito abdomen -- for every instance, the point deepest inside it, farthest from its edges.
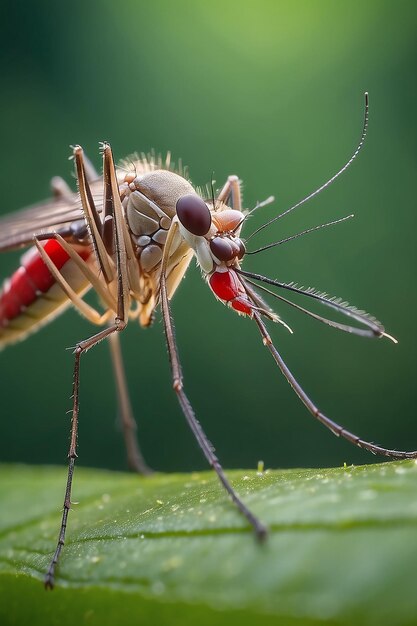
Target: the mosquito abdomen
(32, 297)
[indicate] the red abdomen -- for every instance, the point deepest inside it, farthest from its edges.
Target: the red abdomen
(31, 297)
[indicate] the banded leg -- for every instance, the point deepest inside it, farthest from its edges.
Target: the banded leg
(111, 198)
(335, 428)
(177, 382)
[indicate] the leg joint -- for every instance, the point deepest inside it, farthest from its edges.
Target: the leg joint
(177, 384)
(120, 324)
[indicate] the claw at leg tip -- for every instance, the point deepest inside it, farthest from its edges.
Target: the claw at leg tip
(49, 583)
(261, 533)
(390, 337)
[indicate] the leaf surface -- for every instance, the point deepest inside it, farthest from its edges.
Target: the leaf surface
(171, 549)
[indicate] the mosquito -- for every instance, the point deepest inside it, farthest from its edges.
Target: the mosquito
(129, 235)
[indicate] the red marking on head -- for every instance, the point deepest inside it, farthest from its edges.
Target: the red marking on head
(227, 287)
(242, 306)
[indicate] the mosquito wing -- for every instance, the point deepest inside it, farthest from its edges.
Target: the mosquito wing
(18, 229)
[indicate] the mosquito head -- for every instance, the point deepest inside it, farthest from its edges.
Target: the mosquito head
(211, 231)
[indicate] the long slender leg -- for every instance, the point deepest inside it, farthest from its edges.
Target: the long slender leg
(72, 453)
(103, 228)
(111, 195)
(92, 216)
(112, 199)
(135, 459)
(205, 445)
(88, 311)
(101, 289)
(231, 188)
(336, 429)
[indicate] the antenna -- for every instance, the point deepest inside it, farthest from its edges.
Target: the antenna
(331, 180)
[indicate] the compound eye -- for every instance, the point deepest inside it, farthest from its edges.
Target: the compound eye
(223, 249)
(242, 249)
(194, 214)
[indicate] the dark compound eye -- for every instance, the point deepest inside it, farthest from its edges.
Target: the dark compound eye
(242, 249)
(194, 214)
(223, 249)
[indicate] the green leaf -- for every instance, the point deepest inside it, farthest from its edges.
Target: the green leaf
(171, 549)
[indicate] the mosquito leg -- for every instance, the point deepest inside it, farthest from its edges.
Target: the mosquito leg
(231, 188)
(72, 453)
(103, 229)
(85, 309)
(92, 216)
(99, 287)
(115, 212)
(121, 239)
(201, 437)
(337, 430)
(123, 301)
(135, 459)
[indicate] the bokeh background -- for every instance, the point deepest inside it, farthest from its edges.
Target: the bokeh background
(273, 91)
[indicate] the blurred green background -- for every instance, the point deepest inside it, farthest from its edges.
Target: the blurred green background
(272, 91)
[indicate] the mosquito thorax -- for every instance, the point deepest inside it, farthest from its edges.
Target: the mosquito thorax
(161, 187)
(149, 200)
